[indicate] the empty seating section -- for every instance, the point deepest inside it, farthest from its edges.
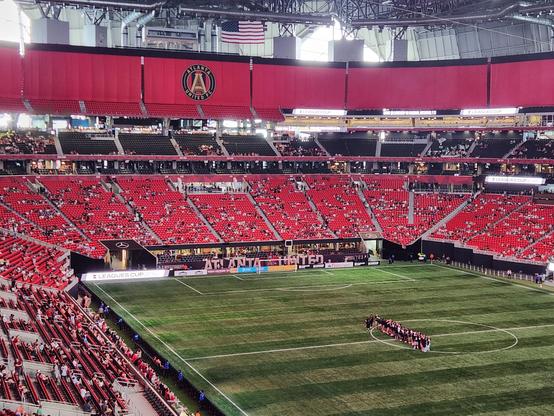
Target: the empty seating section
(288, 209)
(74, 142)
(483, 212)
(271, 114)
(116, 109)
(198, 144)
(247, 145)
(390, 204)
(52, 226)
(535, 149)
(146, 144)
(165, 211)
(227, 111)
(515, 232)
(96, 211)
(299, 148)
(27, 143)
(55, 106)
(495, 145)
(402, 149)
(30, 262)
(233, 216)
(339, 204)
(353, 144)
(173, 110)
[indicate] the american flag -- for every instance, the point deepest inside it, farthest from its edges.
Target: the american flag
(235, 31)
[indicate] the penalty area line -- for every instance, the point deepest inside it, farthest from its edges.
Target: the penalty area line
(170, 349)
(395, 274)
(190, 287)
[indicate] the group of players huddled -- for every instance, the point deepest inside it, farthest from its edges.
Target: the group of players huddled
(415, 339)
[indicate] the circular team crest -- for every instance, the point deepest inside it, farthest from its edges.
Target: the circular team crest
(198, 82)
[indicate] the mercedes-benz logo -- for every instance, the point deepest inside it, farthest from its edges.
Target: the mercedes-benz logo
(122, 244)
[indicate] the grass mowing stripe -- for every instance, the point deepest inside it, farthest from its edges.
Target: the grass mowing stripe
(372, 341)
(273, 384)
(170, 349)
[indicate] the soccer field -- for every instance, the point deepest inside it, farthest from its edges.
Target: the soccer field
(295, 343)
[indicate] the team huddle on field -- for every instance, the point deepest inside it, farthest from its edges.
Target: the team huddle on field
(394, 329)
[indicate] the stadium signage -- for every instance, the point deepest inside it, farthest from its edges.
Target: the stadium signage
(517, 180)
(179, 273)
(198, 82)
(339, 265)
(236, 262)
(124, 275)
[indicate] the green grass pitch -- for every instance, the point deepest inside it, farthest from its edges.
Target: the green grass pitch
(294, 343)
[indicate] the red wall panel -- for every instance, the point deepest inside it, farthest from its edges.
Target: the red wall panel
(529, 83)
(163, 82)
(294, 86)
(440, 87)
(10, 70)
(53, 75)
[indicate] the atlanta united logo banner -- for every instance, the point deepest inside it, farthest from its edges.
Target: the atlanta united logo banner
(198, 82)
(192, 82)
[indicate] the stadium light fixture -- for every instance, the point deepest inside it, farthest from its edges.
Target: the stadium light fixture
(5, 120)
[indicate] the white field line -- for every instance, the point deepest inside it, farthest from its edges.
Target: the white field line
(396, 274)
(169, 348)
(237, 277)
(494, 279)
(190, 287)
(280, 288)
(328, 272)
(343, 344)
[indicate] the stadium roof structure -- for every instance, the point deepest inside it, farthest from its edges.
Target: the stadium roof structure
(351, 13)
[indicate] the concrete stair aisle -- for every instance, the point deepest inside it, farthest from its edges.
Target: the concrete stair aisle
(270, 142)
(511, 152)
(472, 147)
(118, 144)
(59, 211)
(324, 150)
(429, 144)
(411, 207)
(455, 212)
(118, 193)
(370, 211)
(176, 146)
(314, 208)
(203, 218)
(262, 214)
(551, 232)
(58, 145)
(378, 147)
(492, 225)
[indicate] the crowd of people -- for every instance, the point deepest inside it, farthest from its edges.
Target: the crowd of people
(16, 143)
(396, 330)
